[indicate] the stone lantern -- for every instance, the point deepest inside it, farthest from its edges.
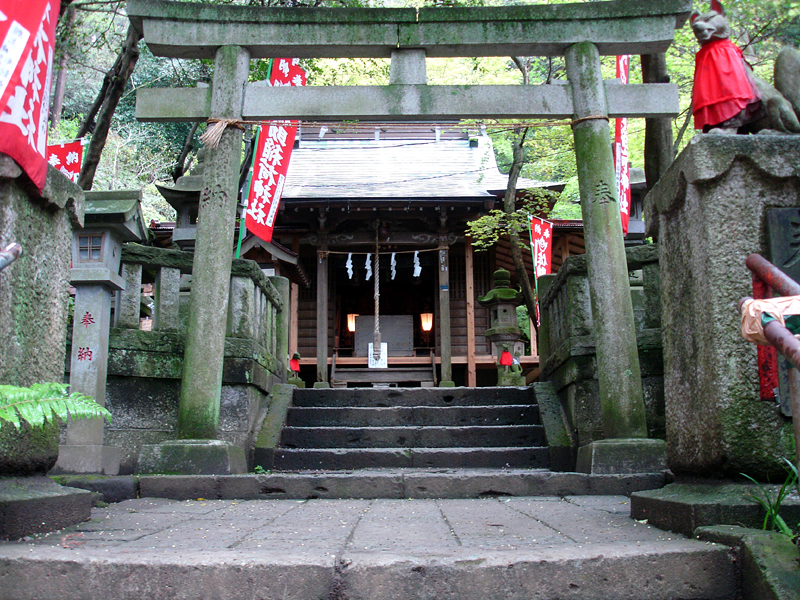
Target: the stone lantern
(184, 197)
(111, 219)
(504, 333)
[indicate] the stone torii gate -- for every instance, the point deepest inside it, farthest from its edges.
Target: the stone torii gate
(232, 35)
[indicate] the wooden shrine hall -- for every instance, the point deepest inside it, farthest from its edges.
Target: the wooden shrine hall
(406, 192)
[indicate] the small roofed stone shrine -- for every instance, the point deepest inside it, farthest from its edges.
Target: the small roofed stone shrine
(581, 32)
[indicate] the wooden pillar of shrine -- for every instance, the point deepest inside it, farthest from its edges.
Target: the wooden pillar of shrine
(322, 310)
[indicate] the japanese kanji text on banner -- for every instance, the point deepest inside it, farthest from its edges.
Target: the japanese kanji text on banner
(67, 158)
(541, 246)
(27, 34)
(271, 158)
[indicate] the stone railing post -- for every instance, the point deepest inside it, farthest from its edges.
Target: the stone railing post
(167, 300)
(280, 326)
(130, 299)
(618, 368)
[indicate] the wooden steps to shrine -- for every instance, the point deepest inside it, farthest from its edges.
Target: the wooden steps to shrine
(373, 428)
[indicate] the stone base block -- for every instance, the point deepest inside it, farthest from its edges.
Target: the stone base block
(321, 384)
(622, 456)
(447, 384)
(89, 458)
(683, 507)
(296, 381)
(192, 457)
(37, 504)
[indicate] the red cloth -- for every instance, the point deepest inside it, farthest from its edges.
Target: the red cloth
(722, 87)
(505, 359)
(294, 365)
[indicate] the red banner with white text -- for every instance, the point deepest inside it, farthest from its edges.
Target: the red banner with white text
(621, 166)
(27, 35)
(542, 250)
(67, 158)
(271, 158)
(541, 246)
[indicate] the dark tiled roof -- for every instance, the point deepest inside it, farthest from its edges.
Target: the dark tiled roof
(394, 169)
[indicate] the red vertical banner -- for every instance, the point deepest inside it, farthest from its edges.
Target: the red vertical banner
(542, 250)
(27, 40)
(541, 246)
(67, 158)
(271, 158)
(621, 167)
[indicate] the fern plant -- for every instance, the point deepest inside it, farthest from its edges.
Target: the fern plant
(43, 402)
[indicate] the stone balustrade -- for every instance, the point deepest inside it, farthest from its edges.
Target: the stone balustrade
(567, 345)
(145, 367)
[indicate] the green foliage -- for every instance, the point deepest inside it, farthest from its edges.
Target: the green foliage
(772, 505)
(486, 230)
(259, 470)
(43, 402)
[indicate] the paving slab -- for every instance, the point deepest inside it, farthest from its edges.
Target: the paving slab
(510, 548)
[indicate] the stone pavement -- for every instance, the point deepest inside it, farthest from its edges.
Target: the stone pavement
(575, 547)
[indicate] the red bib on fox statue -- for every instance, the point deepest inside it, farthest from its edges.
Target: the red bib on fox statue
(724, 93)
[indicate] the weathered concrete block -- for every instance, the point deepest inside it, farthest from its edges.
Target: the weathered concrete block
(620, 456)
(37, 504)
(683, 507)
(184, 487)
(112, 489)
(709, 210)
(193, 457)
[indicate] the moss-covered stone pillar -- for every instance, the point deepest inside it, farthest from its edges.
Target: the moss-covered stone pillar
(205, 339)
(618, 369)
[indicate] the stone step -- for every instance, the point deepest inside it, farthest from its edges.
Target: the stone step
(413, 437)
(287, 459)
(462, 416)
(394, 483)
(486, 549)
(392, 397)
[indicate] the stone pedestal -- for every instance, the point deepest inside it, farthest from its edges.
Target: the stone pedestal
(708, 211)
(192, 457)
(621, 456)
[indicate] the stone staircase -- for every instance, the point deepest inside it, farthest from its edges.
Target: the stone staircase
(418, 428)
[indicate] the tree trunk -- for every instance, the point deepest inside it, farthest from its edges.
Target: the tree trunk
(658, 151)
(61, 74)
(116, 79)
(180, 165)
(509, 205)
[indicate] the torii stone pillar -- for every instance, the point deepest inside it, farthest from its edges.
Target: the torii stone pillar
(201, 385)
(624, 422)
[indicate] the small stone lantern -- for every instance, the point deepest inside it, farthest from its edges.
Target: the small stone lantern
(184, 197)
(504, 333)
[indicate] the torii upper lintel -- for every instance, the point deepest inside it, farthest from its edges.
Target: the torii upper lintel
(184, 30)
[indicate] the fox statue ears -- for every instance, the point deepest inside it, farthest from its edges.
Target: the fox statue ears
(716, 6)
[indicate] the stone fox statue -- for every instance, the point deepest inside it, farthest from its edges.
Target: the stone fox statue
(727, 97)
